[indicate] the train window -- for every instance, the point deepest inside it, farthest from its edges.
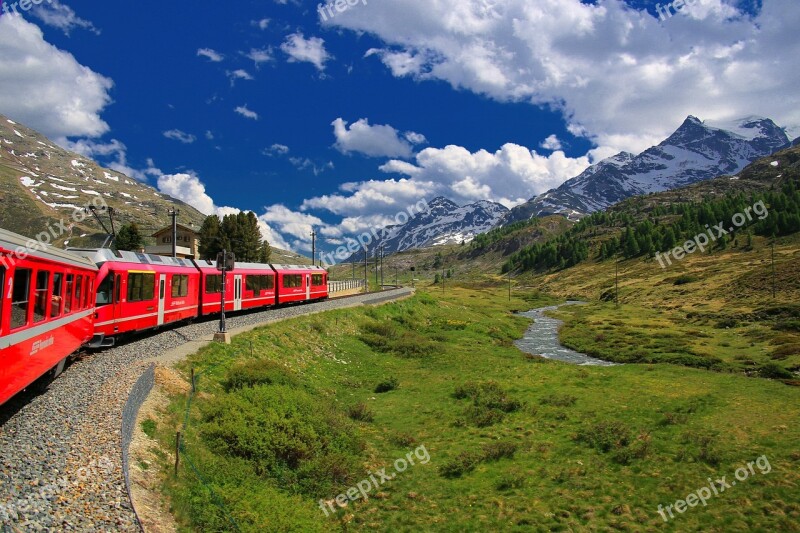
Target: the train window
(40, 298)
(316, 279)
(68, 293)
(259, 283)
(87, 292)
(78, 292)
(19, 297)
(213, 284)
(104, 290)
(57, 295)
(180, 286)
(141, 287)
(292, 280)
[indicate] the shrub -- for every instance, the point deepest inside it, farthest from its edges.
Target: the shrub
(489, 402)
(559, 400)
(684, 279)
(513, 479)
(287, 434)
(460, 465)
(387, 385)
(605, 436)
(360, 412)
(494, 451)
(260, 372)
(774, 371)
(482, 416)
(149, 427)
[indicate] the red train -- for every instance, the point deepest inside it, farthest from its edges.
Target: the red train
(55, 301)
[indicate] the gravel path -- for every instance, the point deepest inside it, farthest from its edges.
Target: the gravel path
(60, 452)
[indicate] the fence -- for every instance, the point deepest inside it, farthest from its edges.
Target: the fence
(345, 285)
(135, 400)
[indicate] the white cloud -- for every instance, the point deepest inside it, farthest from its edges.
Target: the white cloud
(304, 163)
(371, 198)
(46, 88)
(239, 74)
(212, 55)
(55, 14)
(259, 56)
(374, 141)
(291, 225)
(551, 143)
(276, 149)
(188, 188)
(616, 73)
(245, 112)
(209, 135)
(261, 24)
(311, 50)
(180, 136)
(510, 175)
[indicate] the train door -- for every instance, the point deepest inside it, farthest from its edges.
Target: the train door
(308, 286)
(162, 293)
(237, 292)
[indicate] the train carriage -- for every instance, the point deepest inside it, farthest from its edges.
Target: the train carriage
(46, 311)
(298, 283)
(138, 291)
(250, 285)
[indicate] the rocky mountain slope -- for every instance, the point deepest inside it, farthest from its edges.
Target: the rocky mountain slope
(42, 184)
(697, 151)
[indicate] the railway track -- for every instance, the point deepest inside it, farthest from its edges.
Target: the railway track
(60, 451)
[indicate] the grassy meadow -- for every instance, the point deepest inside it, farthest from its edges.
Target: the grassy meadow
(289, 414)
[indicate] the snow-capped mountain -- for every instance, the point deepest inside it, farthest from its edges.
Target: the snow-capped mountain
(696, 151)
(443, 223)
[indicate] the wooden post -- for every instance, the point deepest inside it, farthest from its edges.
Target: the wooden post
(193, 379)
(177, 451)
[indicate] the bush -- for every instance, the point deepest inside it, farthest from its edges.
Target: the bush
(684, 279)
(494, 451)
(513, 479)
(615, 437)
(460, 465)
(260, 372)
(774, 371)
(360, 412)
(559, 400)
(286, 434)
(489, 402)
(149, 427)
(387, 385)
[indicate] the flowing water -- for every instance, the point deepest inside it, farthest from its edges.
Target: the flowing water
(542, 339)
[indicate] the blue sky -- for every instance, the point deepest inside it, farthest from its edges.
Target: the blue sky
(339, 122)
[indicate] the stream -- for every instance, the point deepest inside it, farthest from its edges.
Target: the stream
(541, 338)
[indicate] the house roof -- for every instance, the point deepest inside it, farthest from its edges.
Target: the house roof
(168, 229)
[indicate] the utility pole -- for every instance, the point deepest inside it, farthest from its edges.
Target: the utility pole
(354, 268)
(377, 282)
(366, 275)
(313, 247)
(442, 280)
(509, 285)
(381, 254)
(395, 276)
(174, 214)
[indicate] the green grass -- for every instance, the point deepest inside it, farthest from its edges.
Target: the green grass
(515, 444)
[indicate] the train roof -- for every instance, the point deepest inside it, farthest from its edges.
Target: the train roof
(106, 255)
(205, 263)
(297, 267)
(12, 241)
